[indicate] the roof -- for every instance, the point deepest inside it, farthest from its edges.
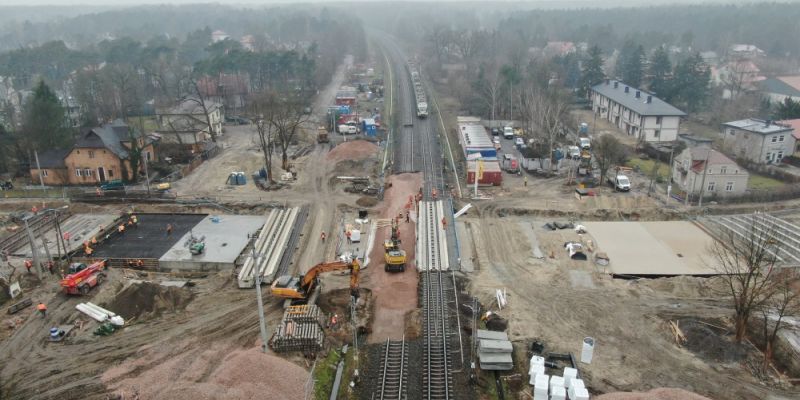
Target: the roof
(53, 158)
(699, 155)
(794, 124)
(759, 126)
(745, 47)
(191, 106)
(778, 86)
(109, 136)
(793, 81)
(655, 107)
(694, 138)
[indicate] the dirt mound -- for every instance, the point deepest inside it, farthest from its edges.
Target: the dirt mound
(711, 343)
(655, 394)
(367, 201)
(143, 300)
(353, 150)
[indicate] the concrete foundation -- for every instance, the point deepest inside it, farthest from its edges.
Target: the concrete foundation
(79, 227)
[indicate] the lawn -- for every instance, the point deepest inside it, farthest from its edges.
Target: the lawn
(645, 166)
(759, 182)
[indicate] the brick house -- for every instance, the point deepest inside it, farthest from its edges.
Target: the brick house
(101, 154)
(723, 177)
(635, 112)
(759, 141)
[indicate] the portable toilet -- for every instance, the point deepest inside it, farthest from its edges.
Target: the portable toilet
(368, 127)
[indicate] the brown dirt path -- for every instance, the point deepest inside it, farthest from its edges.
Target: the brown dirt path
(395, 294)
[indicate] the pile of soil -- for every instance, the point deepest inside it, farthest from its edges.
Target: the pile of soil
(655, 394)
(367, 201)
(147, 300)
(353, 150)
(710, 343)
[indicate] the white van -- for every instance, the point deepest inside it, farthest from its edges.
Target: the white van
(508, 132)
(585, 143)
(348, 129)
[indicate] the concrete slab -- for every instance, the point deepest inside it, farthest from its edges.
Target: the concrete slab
(491, 335)
(359, 249)
(495, 346)
(150, 238)
(495, 358)
(653, 248)
(465, 246)
(226, 236)
(80, 227)
(527, 229)
(581, 279)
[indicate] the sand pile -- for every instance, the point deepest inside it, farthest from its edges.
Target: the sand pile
(353, 150)
(145, 300)
(655, 394)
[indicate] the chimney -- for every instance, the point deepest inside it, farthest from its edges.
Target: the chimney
(766, 123)
(627, 89)
(616, 84)
(649, 99)
(608, 81)
(638, 94)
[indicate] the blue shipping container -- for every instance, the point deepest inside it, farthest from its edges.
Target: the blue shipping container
(486, 152)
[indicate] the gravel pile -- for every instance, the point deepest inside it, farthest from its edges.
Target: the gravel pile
(353, 150)
(655, 394)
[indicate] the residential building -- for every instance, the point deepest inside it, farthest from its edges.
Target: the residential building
(721, 176)
(744, 51)
(777, 89)
(635, 112)
(100, 154)
(759, 141)
(218, 36)
(230, 90)
(558, 49)
(795, 125)
(191, 115)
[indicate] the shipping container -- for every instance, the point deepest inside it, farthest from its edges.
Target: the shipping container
(487, 153)
(492, 174)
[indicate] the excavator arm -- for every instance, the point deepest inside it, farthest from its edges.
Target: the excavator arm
(310, 277)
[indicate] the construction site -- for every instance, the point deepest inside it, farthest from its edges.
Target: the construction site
(413, 286)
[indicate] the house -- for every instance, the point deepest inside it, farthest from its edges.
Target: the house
(558, 49)
(736, 76)
(248, 42)
(777, 89)
(636, 112)
(744, 51)
(710, 57)
(189, 120)
(795, 125)
(760, 141)
(100, 154)
(230, 90)
(218, 36)
(720, 177)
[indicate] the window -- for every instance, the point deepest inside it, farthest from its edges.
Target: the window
(729, 187)
(780, 138)
(731, 132)
(111, 173)
(723, 170)
(779, 156)
(78, 172)
(657, 132)
(769, 157)
(91, 153)
(712, 186)
(774, 139)
(87, 172)
(658, 120)
(44, 173)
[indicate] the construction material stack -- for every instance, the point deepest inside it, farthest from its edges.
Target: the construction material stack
(494, 351)
(299, 330)
(547, 387)
(270, 245)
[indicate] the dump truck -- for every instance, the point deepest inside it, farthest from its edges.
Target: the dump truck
(81, 278)
(394, 256)
(303, 289)
(322, 135)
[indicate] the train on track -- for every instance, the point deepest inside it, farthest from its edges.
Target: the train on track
(419, 90)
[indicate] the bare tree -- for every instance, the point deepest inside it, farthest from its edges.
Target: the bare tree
(746, 260)
(737, 76)
(489, 85)
(262, 106)
(545, 110)
(783, 300)
(608, 151)
(285, 117)
(197, 96)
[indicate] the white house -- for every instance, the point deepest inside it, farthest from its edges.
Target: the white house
(636, 112)
(760, 141)
(721, 177)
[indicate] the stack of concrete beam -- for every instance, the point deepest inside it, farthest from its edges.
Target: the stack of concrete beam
(494, 351)
(541, 387)
(536, 368)
(270, 245)
(299, 330)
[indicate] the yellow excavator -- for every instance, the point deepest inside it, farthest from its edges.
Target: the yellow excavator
(394, 256)
(304, 289)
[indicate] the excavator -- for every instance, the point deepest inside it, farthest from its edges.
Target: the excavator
(303, 289)
(394, 256)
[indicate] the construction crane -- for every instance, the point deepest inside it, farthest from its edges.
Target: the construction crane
(305, 288)
(394, 256)
(81, 279)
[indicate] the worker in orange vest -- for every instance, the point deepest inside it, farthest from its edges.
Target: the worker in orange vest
(169, 229)
(121, 228)
(28, 265)
(322, 236)
(42, 309)
(444, 223)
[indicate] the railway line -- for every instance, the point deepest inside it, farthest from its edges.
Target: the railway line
(394, 371)
(437, 378)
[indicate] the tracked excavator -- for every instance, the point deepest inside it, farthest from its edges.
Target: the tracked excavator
(394, 256)
(304, 289)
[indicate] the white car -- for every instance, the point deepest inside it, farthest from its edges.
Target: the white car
(585, 143)
(348, 129)
(519, 141)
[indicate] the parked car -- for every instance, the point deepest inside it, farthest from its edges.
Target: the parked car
(348, 129)
(519, 142)
(115, 184)
(574, 152)
(7, 185)
(508, 132)
(495, 131)
(585, 143)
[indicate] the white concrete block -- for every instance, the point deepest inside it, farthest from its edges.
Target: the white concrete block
(556, 381)
(569, 374)
(580, 394)
(536, 360)
(558, 393)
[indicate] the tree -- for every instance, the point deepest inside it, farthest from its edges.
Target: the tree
(660, 73)
(736, 76)
(488, 85)
(592, 72)
(783, 300)
(511, 76)
(263, 106)
(788, 109)
(43, 121)
(546, 109)
(746, 262)
(630, 65)
(285, 116)
(608, 151)
(692, 78)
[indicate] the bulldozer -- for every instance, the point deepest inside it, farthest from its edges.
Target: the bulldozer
(394, 256)
(304, 289)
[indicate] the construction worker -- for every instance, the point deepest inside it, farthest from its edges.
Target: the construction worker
(139, 263)
(408, 218)
(28, 265)
(94, 240)
(88, 250)
(525, 182)
(135, 221)
(349, 241)
(42, 309)
(50, 266)
(34, 210)
(444, 223)
(169, 229)
(322, 236)
(121, 229)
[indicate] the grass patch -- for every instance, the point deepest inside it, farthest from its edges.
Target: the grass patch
(646, 167)
(324, 375)
(759, 182)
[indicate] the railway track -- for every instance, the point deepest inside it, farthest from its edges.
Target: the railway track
(394, 371)
(437, 378)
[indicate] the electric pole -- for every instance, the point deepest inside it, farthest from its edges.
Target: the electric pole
(261, 323)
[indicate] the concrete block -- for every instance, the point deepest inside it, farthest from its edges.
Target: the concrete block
(491, 335)
(558, 393)
(556, 381)
(580, 394)
(534, 371)
(495, 346)
(569, 374)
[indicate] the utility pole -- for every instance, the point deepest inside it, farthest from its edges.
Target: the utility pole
(38, 167)
(34, 250)
(703, 183)
(669, 172)
(261, 324)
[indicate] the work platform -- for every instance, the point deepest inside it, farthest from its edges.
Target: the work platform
(149, 239)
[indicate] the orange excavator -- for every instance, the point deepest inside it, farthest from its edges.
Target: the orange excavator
(305, 288)
(81, 278)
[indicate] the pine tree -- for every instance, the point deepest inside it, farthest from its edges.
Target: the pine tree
(592, 71)
(43, 121)
(630, 63)
(660, 73)
(692, 78)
